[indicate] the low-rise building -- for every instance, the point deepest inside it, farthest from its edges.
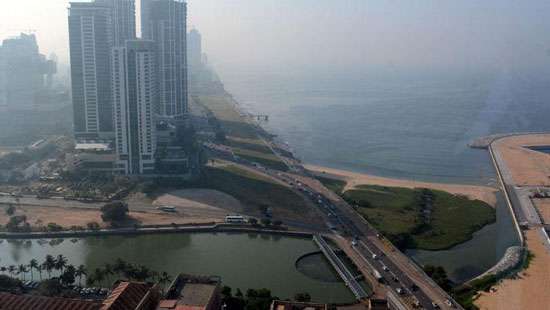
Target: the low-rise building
(293, 305)
(192, 293)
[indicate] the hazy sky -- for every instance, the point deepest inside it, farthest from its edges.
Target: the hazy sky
(344, 33)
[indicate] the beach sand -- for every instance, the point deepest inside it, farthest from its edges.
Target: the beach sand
(353, 179)
(531, 289)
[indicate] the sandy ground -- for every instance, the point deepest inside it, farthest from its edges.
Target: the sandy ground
(483, 193)
(531, 290)
(193, 206)
(200, 203)
(527, 167)
(543, 207)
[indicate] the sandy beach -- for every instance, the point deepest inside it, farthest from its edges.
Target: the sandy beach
(531, 288)
(353, 179)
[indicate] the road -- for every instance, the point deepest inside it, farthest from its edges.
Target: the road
(400, 273)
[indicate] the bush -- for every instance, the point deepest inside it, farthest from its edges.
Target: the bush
(252, 221)
(114, 211)
(9, 284)
(266, 222)
(18, 223)
(10, 210)
(54, 227)
(93, 226)
(51, 287)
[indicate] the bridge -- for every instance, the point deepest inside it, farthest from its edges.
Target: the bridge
(341, 269)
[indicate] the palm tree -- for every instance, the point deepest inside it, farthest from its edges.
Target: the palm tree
(22, 269)
(49, 265)
(40, 269)
(60, 263)
(99, 275)
(33, 264)
(3, 269)
(108, 270)
(80, 271)
(11, 270)
(120, 266)
(164, 279)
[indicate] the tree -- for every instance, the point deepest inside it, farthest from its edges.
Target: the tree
(18, 223)
(266, 221)
(68, 276)
(226, 292)
(93, 226)
(302, 297)
(439, 275)
(10, 210)
(11, 270)
(80, 271)
(115, 211)
(22, 269)
(54, 227)
(60, 262)
(98, 276)
(253, 221)
(49, 265)
(277, 222)
(9, 284)
(33, 264)
(50, 287)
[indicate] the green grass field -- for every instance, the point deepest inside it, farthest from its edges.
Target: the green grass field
(240, 135)
(254, 191)
(334, 185)
(396, 211)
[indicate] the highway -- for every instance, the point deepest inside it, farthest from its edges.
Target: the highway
(399, 273)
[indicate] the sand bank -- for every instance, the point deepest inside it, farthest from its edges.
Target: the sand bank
(353, 179)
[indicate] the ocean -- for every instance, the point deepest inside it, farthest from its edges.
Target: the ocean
(404, 125)
(413, 126)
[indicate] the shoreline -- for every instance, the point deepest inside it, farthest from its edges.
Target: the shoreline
(353, 179)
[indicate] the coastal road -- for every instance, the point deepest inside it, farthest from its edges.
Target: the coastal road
(400, 274)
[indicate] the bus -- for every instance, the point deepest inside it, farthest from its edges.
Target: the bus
(235, 219)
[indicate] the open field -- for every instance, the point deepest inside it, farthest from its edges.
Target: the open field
(434, 219)
(526, 166)
(483, 193)
(530, 289)
(257, 192)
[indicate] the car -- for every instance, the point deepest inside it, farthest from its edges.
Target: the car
(374, 256)
(435, 306)
(449, 303)
(386, 268)
(414, 287)
(400, 291)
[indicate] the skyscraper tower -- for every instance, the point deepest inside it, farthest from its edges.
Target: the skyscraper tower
(194, 50)
(134, 82)
(165, 23)
(94, 29)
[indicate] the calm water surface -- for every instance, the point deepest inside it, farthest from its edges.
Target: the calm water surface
(242, 260)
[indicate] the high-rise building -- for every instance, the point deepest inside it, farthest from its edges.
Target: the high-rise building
(94, 29)
(134, 82)
(164, 21)
(194, 50)
(22, 73)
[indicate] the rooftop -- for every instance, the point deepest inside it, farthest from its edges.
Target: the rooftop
(126, 296)
(28, 302)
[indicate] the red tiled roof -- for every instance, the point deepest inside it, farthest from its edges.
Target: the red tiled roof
(29, 302)
(185, 307)
(126, 296)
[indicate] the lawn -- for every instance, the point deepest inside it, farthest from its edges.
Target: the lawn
(334, 185)
(255, 191)
(398, 212)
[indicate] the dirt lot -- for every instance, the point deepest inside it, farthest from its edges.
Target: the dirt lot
(193, 206)
(543, 207)
(528, 167)
(531, 289)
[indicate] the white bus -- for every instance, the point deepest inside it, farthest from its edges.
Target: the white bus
(235, 219)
